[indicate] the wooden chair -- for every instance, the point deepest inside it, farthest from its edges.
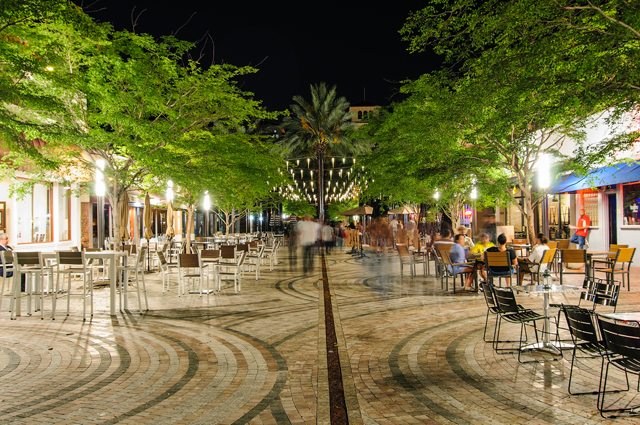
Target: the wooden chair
(405, 258)
(233, 271)
(573, 256)
(138, 269)
(498, 259)
(165, 270)
(563, 243)
(547, 260)
(552, 245)
(30, 265)
(254, 260)
(624, 256)
(605, 263)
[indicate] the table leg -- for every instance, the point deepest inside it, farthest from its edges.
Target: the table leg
(547, 321)
(112, 285)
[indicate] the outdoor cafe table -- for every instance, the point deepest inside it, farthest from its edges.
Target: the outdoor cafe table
(627, 317)
(112, 257)
(590, 254)
(520, 247)
(546, 343)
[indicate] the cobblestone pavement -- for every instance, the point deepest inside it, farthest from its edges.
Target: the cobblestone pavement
(410, 353)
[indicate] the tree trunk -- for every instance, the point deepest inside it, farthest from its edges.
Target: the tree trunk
(190, 212)
(321, 185)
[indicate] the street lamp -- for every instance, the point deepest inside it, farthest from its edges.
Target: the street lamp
(170, 190)
(437, 194)
(207, 206)
(100, 192)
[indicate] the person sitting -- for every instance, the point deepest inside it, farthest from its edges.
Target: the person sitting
(4, 246)
(511, 254)
(536, 255)
(457, 255)
(468, 242)
(445, 238)
(480, 248)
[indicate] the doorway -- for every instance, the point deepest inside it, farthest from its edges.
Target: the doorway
(613, 219)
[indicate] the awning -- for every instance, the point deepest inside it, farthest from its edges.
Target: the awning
(603, 176)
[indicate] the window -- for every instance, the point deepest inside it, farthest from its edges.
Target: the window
(359, 115)
(64, 213)
(34, 215)
(590, 204)
(631, 199)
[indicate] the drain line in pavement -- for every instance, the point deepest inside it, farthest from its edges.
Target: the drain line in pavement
(338, 405)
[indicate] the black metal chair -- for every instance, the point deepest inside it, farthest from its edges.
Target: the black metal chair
(622, 340)
(506, 301)
(492, 308)
(585, 338)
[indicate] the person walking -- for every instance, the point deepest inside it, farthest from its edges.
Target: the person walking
(582, 231)
(394, 227)
(327, 237)
(411, 227)
(308, 237)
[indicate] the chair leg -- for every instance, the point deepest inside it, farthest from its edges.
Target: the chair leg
(138, 291)
(68, 292)
(144, 291)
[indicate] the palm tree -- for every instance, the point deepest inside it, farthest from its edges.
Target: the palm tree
(318, 126)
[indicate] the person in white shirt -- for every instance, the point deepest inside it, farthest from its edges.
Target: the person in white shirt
(394, 227)
(327, 237)
(411, 227)
(468, 242)
(308, 237)
(536, 255)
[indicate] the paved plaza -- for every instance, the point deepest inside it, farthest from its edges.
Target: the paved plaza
(409, 353)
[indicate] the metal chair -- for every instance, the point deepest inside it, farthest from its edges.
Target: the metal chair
(450, 270)
(208, 260)
(138, 269)
(527, 267)
(7, 267)
(622, 340)
(585, 339)
(73, 264)
(254, 258)
(30, 265)
(623, 257)
(165, 270)
(405, 258)
(511, 312)
(232, 270)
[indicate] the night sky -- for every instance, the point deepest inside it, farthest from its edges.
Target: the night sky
(355, 45)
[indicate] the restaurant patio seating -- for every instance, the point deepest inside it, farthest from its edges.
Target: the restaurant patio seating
(30, 265)
(138, 269)
(272, 253)
(547, 259)
(209, 258)
(437, 251)
(405, 258)
(622, 340)
(233, 271)
(606, 262)
(165, 270)
(623, 257)
(73, 264)
(563, 243)
(450, 270)
(498, 259)
(189, 270)
(511, 312)
(488, 290)
(585, 340)
(573, 256)
(96, 264)
(254, 258)
(7, 266)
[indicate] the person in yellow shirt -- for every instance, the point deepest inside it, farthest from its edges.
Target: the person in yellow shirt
(480, 248)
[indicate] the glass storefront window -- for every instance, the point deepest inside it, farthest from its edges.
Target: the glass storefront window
(34, 215)
(64, 213)
(631, 199)
(590, 204)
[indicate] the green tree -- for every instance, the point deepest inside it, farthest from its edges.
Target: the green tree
(320, 126)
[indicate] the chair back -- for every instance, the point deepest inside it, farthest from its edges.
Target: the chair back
(228, 252)
(91, 249)
(141, 256)
(489, 297)
(443, 247)
(563, 243)
(210, 253)
(241, 258)
(497, 259)
(506, 300)
(548, 257)
(131, 249)
(621, 338)
(577, 256)
(552, 245)
(253, 246)
(614, 248)
(624, 255)
(244, 247)
(188, 261)
(26, 258)
(604, 293)
(66, 258)
(581, 325)
(446, 259)
(7, 258)
(161, 259)
(403, 251)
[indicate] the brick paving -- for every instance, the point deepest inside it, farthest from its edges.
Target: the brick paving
(410, 353)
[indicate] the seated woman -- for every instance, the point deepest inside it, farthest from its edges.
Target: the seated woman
(513, 259)
(458, 256)
(537, 254)
(480, 248)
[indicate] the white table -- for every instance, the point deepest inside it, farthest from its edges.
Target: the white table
(112, 257)
(546, 343)
(627, 317)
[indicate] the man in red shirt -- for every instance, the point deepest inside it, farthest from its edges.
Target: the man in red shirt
(582, 230)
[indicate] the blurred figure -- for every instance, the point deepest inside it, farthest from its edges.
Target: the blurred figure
(340, 235)
(411, 228)
(327, 237)
(394, 227)
(308, 236)
(294, 242)
(468, 242)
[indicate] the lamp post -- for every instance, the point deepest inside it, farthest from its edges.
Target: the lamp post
(207, 206)
(544, 181)
(100, 192)
(474, 196)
